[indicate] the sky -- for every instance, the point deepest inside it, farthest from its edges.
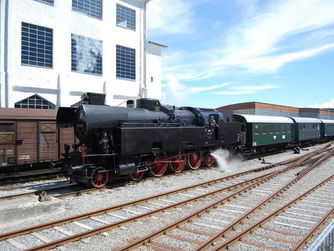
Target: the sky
(223, 52)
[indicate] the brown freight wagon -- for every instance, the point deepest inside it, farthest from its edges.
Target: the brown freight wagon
(30, 139)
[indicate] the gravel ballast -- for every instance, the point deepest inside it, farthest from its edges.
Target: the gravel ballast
(133, 191)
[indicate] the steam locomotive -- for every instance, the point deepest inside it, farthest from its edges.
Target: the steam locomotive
(151, 137)
(116, 141)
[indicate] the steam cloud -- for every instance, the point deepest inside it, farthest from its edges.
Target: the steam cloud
(226, 161)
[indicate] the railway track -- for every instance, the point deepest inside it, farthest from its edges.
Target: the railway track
(112, 217)
(220, 228)
(25, 176)
(75, 189)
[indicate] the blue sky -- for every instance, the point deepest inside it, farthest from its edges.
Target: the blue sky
(222, 52)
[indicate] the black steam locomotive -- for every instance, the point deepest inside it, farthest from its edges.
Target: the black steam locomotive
(151, 137)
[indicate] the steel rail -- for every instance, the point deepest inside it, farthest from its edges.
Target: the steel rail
(98, 230)
(37, 191)
(230, 227)
(313, 231)
(198, 213)
(269, 217)
(104, 210)
(46, 225)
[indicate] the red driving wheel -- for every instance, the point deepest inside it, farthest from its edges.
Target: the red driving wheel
(159, 167)
(209, 160)
(177, 165)
(99, 178)
(194, 160)
(137, 176)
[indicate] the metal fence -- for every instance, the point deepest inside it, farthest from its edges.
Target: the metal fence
(325, 241)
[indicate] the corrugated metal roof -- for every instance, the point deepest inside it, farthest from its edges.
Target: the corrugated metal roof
(327, 121)
(266, 119)
(306, 120)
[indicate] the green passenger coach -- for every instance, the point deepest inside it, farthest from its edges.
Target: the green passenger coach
(328, 128)
(264, 132)
(307, 129)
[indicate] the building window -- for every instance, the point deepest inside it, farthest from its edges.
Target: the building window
(92, 8)
(125, 62)
(86, 55)
(126, 17)
(35, 102)
(46, 1)
(36, 45)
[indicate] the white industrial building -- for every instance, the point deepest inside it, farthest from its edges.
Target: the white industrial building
(52, 51)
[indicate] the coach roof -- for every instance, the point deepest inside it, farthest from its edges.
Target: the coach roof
(265, 119)
(306, 120)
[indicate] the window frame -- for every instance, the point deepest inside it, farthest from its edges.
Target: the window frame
(117, 69)
(29, 49)
(86, 50)
(87, 14)
(36, 97)
(44, 1)
(134, 21)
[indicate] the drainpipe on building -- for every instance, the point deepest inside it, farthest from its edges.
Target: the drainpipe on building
(145, 49)
(58, 94)
(140, 93)
(5, 52)
(142, 82)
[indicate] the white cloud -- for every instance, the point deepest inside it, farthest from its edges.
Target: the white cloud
(207, 88)
(255, 87)
(261, 43)
(172, 16)
(240, 90)
(267, 37)
(328, 104)
(272, 63)
(177, 93)
(235, 92)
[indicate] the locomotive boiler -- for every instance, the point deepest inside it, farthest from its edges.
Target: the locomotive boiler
(116, 141)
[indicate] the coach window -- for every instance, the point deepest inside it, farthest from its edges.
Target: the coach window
(263, 129)
(256, 129)
(278, 128)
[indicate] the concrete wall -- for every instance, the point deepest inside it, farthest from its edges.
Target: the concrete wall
(153, 71)
(59, 84)
(266, 112)
(317, 115)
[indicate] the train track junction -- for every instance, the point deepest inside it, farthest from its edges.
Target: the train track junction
(280, 206)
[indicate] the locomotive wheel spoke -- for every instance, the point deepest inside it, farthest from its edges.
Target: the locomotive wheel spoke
(209, 160)
(179, 164)
(99, 179)
(158, 168)
(195, 160)
(137, 176)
